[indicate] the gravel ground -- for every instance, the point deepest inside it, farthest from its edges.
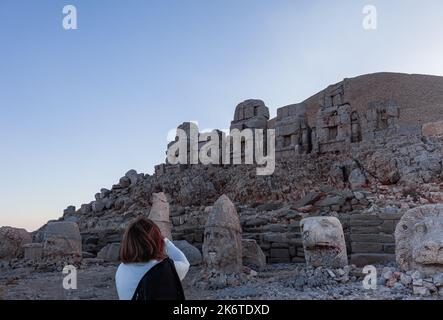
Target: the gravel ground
(277, 281)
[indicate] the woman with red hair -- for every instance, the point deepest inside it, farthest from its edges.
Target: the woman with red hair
(152, 267)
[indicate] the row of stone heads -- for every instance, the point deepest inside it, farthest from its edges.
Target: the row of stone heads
(418, 236)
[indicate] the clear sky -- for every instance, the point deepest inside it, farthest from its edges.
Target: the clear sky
(79, 108)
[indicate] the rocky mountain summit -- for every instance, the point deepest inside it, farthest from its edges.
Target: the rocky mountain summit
(354, 154)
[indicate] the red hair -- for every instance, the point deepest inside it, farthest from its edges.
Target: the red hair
(142, 242)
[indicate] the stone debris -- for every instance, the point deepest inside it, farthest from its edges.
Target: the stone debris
(414, 282)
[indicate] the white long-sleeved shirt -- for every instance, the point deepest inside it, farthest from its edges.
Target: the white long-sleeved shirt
(129, 275)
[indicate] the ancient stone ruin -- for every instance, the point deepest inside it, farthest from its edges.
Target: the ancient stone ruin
(353, 151)
(252, 114)
(356, 163)
(419, 239)
(337, 123)
(324, 242)
(293, 134)
(222, 246)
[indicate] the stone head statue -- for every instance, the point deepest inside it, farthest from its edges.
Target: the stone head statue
(324, 242)
(159, 214)
(419, 239)
(222, 247)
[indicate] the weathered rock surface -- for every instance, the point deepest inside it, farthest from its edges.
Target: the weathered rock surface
(11, 242)
(222, 249)
(253, 255)
(324, 242)
(62, 238)
(419, 239)
(193, 255)
(110, 252)
(160, 214)
(33, 251)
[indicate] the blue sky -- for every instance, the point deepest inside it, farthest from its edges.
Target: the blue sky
(79, 108)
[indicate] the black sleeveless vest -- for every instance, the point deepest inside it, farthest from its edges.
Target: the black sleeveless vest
(161, 282)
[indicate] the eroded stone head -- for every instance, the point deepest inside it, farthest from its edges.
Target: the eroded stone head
(419, 239)
(324, 242)
(222, 248)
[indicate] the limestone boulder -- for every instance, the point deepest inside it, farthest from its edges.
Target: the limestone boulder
(357, 179)
(12, 241)
(86, 208)
(110, 253)
(433, 128)
(193, 255)
(69, 210)
(124, 182)
(98, 206)
(62, 238)
(133, 177)
(253, 255)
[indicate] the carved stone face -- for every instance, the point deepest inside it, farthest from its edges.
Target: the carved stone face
(222, 250)
(419, 239)
(324, 242)
(428, 235)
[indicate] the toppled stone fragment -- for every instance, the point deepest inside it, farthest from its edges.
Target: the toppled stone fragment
(159, 214)
(253, 255)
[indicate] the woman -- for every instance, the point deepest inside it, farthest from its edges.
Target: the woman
(142, 248)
